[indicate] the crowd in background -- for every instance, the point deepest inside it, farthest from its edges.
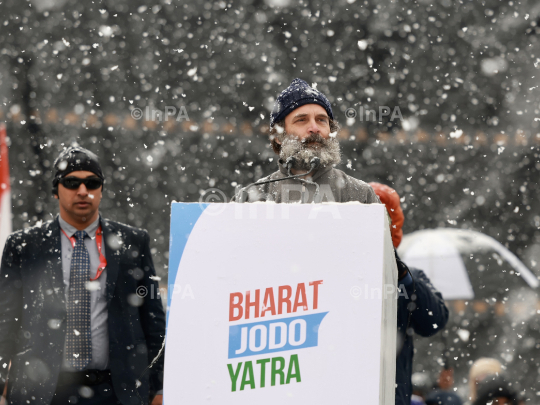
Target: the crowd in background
(489, 384)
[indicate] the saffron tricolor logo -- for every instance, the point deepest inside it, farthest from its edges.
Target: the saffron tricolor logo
(274, 335)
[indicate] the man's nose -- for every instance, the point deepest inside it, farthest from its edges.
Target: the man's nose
(82, 190)
(313, 128)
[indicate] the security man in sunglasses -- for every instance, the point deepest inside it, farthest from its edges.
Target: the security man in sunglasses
(78, 320)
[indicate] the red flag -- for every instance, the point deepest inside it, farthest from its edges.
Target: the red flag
(5, 190)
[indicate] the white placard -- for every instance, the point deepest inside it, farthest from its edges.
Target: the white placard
(321, 320)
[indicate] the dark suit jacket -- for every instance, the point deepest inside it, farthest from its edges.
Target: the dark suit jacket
(33, 313)
(429, 317)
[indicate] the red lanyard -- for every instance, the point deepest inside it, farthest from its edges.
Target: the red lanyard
(99, 240)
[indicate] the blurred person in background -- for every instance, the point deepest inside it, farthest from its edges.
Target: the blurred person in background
(75, 322)
(480, 370)
(442, 395)
(496, 390)
(421, 310)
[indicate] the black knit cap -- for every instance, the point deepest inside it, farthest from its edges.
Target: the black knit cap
(75, 158)
(298, 93)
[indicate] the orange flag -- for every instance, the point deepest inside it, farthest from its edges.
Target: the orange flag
(5, 190)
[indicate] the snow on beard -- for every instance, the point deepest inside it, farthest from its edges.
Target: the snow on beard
(327, 150)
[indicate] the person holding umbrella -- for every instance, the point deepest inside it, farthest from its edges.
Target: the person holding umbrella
(421, 308)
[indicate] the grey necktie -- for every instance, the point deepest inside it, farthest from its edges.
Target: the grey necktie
(78, 339)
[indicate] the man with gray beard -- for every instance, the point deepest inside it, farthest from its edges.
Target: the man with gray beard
(303, 134)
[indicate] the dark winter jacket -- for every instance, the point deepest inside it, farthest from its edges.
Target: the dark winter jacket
(441, 397)
(334, 186)
(33, 314)
(428, 317)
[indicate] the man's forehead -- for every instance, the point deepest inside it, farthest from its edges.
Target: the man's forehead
(82, 174)
(303, 114)
(308, 109)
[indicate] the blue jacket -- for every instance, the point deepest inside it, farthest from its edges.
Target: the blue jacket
(429, 317)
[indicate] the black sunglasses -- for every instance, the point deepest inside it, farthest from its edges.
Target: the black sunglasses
(73, 183)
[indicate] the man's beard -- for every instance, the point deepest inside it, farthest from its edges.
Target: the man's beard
(327, 150)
